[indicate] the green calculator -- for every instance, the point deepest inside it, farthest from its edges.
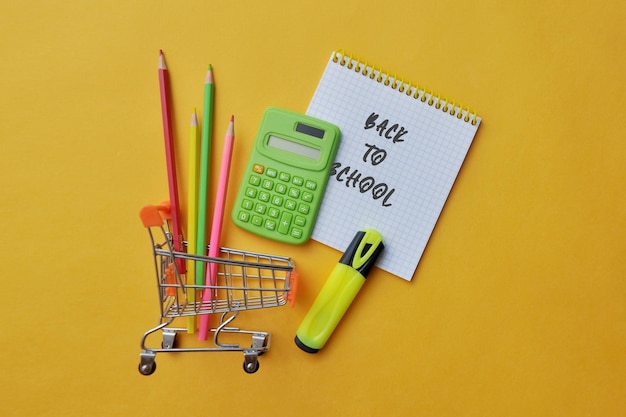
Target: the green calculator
(284, 182)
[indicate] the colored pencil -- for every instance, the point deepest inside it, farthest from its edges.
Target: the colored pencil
(192, 218)
(170, 157)
(216, 227)
(204, 180)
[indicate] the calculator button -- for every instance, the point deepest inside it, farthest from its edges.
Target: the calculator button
(271, 172)
(258, 168)
(303, 209)
(264, 196)
(281, 188)
(254, 180)
(247, 204)
(307, 196)
(257, 220)
(277, 200)
(270, 224)
(300, 221)
(273, 212)
(251, 192)
(260, 208)
(267, 184)
(290, 205)
(284, 176)
(310, 185)
(285, 222)
(294, 193)
(297, 233)
(244, 216)
(299, 181)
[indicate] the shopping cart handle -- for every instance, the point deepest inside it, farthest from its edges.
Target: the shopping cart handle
(150, 216)
(165, 210)
(153, 216)
(293, 288)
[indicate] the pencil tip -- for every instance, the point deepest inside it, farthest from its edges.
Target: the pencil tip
(162, 60)
(232, 117)
(231, 127)
(209, 76)
(210, 67)
(194, 118)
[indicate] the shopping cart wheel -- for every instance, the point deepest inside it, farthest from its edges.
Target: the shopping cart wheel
(250, 361)
(251, 367)
(147, 365)
(147, 369)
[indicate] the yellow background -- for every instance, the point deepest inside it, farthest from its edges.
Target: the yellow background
(518, 307)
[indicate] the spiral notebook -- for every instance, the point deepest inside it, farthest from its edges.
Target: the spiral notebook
(401, 150)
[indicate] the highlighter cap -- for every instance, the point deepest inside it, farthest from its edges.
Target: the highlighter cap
(364, 250)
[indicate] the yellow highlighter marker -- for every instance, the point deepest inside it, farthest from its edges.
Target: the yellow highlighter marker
(192, 217)
(340, 288)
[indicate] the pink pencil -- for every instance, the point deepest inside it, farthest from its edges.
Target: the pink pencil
(170, 157)
(216, 228)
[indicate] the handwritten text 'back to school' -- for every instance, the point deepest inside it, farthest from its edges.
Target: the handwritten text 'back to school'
(373, 154)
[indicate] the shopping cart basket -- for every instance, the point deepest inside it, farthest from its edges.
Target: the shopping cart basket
(244, 281)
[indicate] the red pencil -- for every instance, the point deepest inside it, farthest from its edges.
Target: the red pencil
(170, 158)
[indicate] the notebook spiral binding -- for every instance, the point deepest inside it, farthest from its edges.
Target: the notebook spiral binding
(381, 76)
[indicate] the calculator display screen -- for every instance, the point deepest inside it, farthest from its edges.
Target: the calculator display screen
(293, 147)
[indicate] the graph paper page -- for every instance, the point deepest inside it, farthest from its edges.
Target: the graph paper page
(396, 164)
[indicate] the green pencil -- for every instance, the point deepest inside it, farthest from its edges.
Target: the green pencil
(203, 185)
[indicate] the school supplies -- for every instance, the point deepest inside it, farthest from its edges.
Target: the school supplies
(164, 89)
(287, 172)
(339, 291)
(192, 218)
(216, 228)
(205, 162)
(402, 147)
(235, 281)
(245, 281)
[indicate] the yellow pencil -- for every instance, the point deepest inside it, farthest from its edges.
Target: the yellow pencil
(192, 213)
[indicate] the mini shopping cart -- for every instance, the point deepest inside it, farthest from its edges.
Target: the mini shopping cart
(244, 281)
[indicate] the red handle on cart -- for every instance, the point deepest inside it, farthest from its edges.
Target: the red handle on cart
(153, 216)
(150, 217)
